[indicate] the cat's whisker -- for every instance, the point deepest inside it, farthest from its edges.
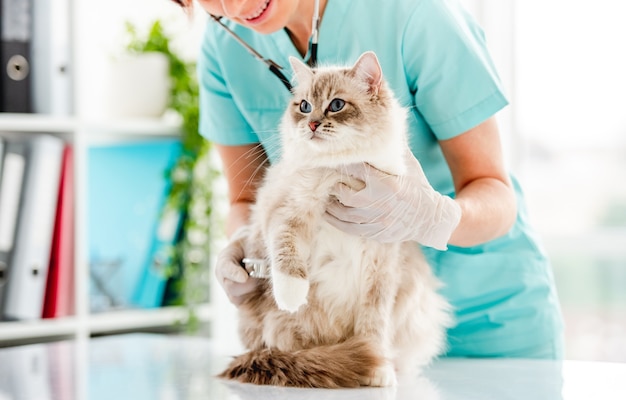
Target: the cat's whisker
(251, 157)
(247, 154)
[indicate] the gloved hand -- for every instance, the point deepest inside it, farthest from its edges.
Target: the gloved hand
(229, 272)
(394, 208)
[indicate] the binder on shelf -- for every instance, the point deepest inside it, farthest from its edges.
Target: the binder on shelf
(62, 367)
(151, 286)
(1, 156)
(3, 264)
(28, 264)
(51, 57)
(59, 294)
(28, 375)
(13, 169)
(15, 53)
(2, 147)
(127, 187)
(3, 257)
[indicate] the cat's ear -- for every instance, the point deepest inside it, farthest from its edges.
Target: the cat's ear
(301, 71)
(368, 69)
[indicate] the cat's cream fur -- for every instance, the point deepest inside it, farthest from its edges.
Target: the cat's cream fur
(339, 310)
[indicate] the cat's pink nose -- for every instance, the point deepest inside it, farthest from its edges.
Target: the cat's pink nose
(314, 124)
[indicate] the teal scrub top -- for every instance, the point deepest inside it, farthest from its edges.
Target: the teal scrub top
(434, 57)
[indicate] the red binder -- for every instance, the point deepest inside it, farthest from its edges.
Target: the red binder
(59, 296)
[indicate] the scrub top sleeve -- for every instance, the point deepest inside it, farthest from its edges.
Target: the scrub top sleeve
(221, 120)
(449, 71)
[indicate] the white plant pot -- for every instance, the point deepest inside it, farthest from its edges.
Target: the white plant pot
(138, 86)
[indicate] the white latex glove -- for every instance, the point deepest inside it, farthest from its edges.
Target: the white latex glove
(393, 208)
(229, 271)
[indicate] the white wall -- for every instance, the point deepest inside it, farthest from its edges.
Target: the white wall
(99, 32)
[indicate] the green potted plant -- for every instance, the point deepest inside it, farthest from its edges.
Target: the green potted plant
(192, 177)
(138, 85)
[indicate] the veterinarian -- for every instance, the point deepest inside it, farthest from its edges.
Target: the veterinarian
(435, 59)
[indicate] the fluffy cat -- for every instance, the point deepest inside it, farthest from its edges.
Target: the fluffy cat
(339, 310)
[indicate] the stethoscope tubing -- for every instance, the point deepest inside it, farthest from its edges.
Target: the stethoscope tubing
(274, 67)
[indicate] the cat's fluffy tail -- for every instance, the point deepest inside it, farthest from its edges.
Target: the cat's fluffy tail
(345, 364)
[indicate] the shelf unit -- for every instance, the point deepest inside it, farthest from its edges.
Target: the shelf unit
(83, 134)
(95, 31)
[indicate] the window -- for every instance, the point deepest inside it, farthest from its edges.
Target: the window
(570, 114)
(563, 63)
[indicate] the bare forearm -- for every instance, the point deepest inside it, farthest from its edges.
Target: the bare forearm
(483, 189)
(488, 209)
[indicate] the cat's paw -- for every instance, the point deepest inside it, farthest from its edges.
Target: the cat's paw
(383, 376)
(289, 292)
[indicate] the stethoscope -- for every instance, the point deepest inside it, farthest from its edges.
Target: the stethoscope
(275, 68)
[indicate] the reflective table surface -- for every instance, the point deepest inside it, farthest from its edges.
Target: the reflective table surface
(160, 367)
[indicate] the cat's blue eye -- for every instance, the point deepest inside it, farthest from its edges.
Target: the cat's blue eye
(305, 107)
(336, 105)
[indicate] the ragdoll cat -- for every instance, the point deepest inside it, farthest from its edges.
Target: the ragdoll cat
(339, 310)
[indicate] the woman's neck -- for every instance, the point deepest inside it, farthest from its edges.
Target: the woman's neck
(299, 27)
